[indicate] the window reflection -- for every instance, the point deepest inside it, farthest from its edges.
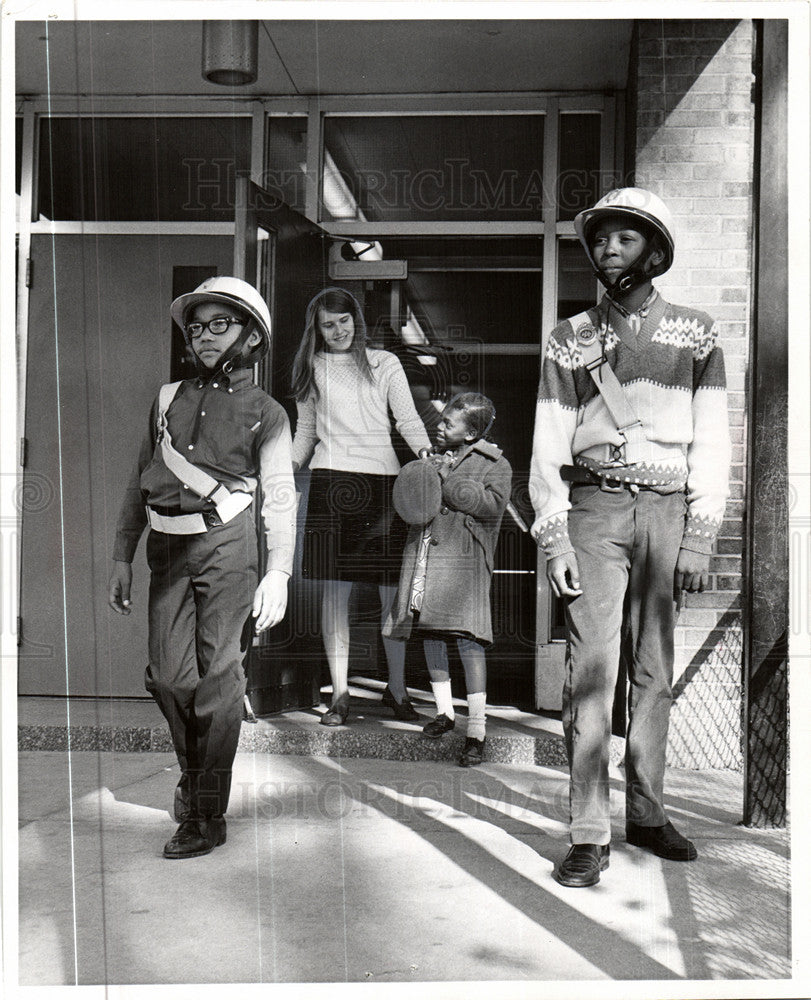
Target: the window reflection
(129, 169)
(421, 167)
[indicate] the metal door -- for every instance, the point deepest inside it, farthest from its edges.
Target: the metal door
(99, 347)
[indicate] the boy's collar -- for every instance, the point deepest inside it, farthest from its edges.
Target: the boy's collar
(237, 377)
(642, 311)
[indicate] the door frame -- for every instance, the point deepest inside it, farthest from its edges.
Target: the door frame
(288, 676)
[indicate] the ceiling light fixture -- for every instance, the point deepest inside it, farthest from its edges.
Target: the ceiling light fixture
(230, 52)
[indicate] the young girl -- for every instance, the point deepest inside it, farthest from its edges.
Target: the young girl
(448, 564)
(344, 392)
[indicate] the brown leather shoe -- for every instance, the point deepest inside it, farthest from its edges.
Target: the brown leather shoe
(665, 841)
(196, 837)
(582, 865)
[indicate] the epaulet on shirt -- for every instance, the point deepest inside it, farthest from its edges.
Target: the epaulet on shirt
(488, 449)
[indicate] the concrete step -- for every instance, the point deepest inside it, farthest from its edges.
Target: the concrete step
(136, 725)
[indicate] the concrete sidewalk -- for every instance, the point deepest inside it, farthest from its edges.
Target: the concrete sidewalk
(350, 869)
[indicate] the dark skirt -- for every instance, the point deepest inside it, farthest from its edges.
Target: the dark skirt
(352, 531)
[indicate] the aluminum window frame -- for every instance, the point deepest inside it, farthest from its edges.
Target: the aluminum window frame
(610, 107)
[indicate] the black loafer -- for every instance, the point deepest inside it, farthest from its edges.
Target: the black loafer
(338, 711)
(438, 727)
(196, 837)
(473, 753)
(403, 710)
(665, 841)
(582, 865)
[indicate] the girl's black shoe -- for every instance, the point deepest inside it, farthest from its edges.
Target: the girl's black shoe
(438, 727)
(338, 711)
(403, 710)
(473, 753)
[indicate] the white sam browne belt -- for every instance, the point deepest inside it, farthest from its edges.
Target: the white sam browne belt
(226, 503)
(634, 443)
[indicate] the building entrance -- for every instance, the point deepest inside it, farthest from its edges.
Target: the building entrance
(467, 317)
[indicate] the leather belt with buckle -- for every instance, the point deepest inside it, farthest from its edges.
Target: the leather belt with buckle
(578, 474)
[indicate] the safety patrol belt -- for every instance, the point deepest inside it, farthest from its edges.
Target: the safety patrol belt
(227, 504)
(632, 450)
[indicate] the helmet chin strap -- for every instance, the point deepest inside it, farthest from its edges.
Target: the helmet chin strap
(233, 357)
(632, 277)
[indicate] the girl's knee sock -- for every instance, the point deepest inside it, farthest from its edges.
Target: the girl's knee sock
(444, 699)
(475, 715)
(436, 657)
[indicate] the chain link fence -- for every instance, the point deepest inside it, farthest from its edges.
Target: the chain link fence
(705, 723)
(708, 724)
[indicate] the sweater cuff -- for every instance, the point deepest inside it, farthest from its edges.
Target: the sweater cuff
(699, 534)
(552, 535)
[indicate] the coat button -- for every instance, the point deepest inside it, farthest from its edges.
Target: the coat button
(191, 447)
(443, 510)
(434, 541)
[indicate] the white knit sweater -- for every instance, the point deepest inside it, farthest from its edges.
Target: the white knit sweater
(347, 425)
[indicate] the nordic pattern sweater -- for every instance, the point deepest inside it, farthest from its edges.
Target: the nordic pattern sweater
(673, 375)
(346, 425)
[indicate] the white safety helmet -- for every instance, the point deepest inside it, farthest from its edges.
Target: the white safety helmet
(638, 202)
(230, 291)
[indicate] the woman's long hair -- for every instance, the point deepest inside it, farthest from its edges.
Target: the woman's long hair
(333, 300)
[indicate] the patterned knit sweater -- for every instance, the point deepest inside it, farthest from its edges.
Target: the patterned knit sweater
(672, 373)
(346, 425)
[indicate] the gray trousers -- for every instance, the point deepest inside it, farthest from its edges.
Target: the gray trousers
(200, 601)
(627, 546)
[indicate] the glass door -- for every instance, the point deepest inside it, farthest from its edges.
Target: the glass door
(468, 318)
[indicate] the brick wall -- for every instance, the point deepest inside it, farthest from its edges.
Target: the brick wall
(694, 148)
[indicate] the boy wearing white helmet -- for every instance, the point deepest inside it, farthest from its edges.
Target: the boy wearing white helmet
(629, 479)
(211, 440)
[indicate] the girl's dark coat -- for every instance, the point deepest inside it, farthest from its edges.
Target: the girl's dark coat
(460, 561)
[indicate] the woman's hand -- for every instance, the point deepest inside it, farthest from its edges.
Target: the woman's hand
(270, 600)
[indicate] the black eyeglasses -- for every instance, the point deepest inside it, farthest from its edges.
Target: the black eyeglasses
(220, 324)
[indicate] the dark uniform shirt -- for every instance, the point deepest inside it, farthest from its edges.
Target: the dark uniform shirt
(234, 431)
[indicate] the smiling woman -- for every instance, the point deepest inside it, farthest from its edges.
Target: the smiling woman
(337, 331)
(345, 392)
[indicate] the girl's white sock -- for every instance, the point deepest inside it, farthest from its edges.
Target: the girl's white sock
(475, 715)
(444, 699)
